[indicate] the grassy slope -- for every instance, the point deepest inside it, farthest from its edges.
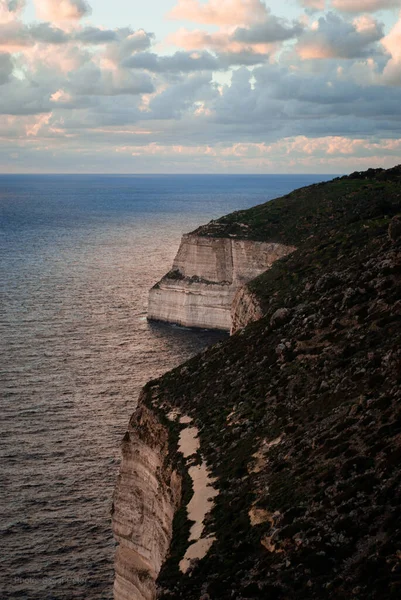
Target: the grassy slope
(327, 379)
(316, 210)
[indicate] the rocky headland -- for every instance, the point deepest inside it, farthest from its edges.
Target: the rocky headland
(297, 415)
(206, 274)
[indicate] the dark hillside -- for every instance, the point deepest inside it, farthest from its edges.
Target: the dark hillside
(315, 210)
(319, 376)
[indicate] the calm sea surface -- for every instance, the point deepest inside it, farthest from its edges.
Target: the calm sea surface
(78, 255)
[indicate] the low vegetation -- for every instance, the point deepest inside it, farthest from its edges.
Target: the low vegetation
(320, 376)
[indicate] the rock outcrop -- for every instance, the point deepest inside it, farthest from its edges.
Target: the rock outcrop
(206, 274)
(146, 497)
(245, 309)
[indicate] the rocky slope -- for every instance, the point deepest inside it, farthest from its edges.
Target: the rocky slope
(299, 413)
(206, 273)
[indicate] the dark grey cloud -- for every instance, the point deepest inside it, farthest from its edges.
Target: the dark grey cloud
(15, 5)
(338, 38)
(187, 62)
(270, 31)
(22, 98)
(180, 62)
(94, 35)
(90, 80)
(130, 42)
(6, 67)
(245, 57)
(173, 102)
(281, 103)
(16, 33)
(364, 6)
(46, 33)
(83, 7)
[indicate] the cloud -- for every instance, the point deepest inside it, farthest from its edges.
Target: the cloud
(10, 9)
(6, 67)
(15, 35)
(187, 62)
(72, 90)
(180, 62)
(21, 98)
(357, 6)
(333, 37)
(223, 44)
(314, 5)
(128, 42)
(62, 10)
(172, 102)
(94, 35)
(91, 80)
(392, 43)
(256, 35)
(220, 12)
(271, 30)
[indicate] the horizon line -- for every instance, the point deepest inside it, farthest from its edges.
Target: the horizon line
(164, 174)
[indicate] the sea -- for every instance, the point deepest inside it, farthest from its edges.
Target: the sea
(78, 254)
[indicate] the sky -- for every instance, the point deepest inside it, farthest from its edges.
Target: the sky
(199, 86)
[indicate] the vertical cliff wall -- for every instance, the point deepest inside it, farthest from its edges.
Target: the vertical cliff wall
(206, 274)
(146, 497)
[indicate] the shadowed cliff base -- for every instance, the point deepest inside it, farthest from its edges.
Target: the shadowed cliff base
(299, 413)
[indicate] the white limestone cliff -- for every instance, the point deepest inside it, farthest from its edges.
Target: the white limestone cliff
(206, 274)
(146, 497)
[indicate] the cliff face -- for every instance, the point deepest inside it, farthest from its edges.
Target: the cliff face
(146, 497)
(206, 274)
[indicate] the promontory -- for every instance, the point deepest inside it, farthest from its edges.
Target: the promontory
(268, 466)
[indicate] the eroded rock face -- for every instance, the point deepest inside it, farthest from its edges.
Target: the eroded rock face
(146, 497)
(245, 309)
(206, 274)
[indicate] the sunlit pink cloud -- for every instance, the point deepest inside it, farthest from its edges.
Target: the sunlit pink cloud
(328, 148)
(220, 12)
(67, 59)
(315, 51)
(219, 41)
(314, 4)
(38, 122)
(392, 43)
(365, 24)
(62, 10)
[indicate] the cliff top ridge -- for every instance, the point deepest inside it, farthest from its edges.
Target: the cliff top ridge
(313, 210)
